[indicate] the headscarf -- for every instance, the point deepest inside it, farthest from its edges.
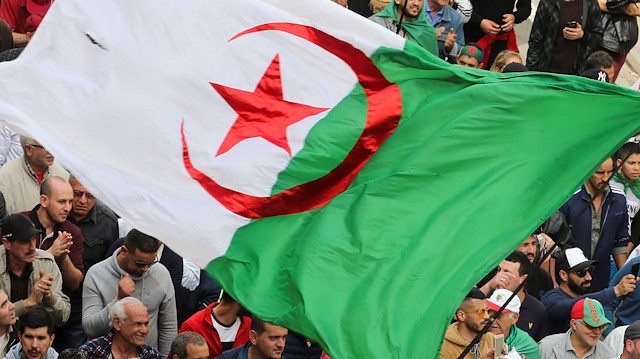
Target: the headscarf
(635, 185)
(419, 30)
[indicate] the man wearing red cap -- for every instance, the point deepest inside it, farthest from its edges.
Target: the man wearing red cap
(583, 338)
(23, 16)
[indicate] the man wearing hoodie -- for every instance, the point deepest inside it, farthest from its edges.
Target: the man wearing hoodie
(36, 336)
(130, 271)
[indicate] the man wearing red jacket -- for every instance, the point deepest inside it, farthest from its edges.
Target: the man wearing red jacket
(224, 325)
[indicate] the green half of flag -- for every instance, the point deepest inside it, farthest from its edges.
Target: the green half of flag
(477, 162)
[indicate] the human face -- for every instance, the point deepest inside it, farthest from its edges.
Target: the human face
(270, 343)
(631, 167)
(513, 268)
(35, 342)
(502, 324)
(135, 327)
(529, 247)
(21, 251)
(137, 262)
(601, 176)
(633, 347)
(579, 285)
(83, 200)
(58, 205)
(610, 72)
(197, 351)
(467, 61)
(412, 11)
(37, 156)
(472, 320)
(586, 335)
(341, 2)
(7, 311)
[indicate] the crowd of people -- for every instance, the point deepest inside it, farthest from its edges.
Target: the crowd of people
(72, 270)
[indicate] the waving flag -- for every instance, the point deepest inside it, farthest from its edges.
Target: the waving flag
(335, 179)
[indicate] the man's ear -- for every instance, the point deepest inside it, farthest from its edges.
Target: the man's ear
(515, 317)
(563, 275)
(117, 325)
(253, 337)
(6, 243)
(618, 162)
(461, 315)
(44, 201)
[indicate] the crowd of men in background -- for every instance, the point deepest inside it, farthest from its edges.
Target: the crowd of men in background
(70, 269)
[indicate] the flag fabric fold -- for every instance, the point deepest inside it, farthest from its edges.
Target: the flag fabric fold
(367, 223)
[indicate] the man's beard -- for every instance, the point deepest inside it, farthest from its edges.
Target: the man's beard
(578, 289)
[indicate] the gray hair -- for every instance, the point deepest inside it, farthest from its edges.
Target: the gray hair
(24, 140)
(179, 345)
(118, 308)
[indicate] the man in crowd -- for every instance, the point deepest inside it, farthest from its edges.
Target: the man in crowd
(413, 26)
(573, 272)
(20, 178)
(266, 341)
(587, 323)
(449, 24)
(472, 315)
(130, 326)
(8, 336)
(626, 308)
(470, 55)
(36, 336)
(601, 60)
(30, 276)
(603, 229)
(540, 280)
(23, 17)
(64, 241)
(505, 324)
(532, 315)
(131, 271)
(189, 345)
(224, 325)
(631, 348)
(99, 225)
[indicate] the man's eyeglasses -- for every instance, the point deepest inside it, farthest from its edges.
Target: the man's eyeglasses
(79, 194)
(584, 272)
(480, 312)
(601, 328)
(37, 146)
(141, 264)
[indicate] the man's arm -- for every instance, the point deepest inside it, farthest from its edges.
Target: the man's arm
(64, 246)
(167, 321)
(536, 40)
(59, 304)
(95, 313)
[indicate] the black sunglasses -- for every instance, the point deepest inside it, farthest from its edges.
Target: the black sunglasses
(584, 272)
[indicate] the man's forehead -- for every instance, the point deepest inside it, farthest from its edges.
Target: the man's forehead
(606, 166)
(509, 266)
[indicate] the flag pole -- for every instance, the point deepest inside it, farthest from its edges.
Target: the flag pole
(404, 7)
(538, 263)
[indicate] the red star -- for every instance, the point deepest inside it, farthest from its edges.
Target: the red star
(263, 112)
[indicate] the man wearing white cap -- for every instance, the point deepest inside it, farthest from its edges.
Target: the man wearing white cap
(506, 324)
(573, 273)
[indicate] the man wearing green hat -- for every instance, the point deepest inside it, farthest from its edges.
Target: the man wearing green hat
(470, 55)
(409, 16)
(583, 338)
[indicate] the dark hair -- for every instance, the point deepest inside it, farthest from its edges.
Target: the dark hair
(227, 298)
(73, 353)
(179, 344)
(258, 325)
(136, 240)
(46, 187)
(519, 257)
(475, 293)
(599, 59)
(628, 149)
(36, 317)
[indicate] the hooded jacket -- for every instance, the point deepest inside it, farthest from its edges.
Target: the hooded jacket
(14, 352)
(454, 344)
(154, 289)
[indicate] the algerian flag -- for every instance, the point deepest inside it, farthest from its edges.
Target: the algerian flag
(351, 186)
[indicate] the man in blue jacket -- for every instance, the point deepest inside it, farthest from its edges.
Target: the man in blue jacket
(603, 228)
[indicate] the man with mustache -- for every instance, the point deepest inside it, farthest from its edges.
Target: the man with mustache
(129, 327)
(20, 178)
(573, 273)
(603, 229)
(28, 275)
(64, 241)
(36, 336)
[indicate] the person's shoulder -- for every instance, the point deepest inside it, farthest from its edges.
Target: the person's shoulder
(11, 167)
(44, 255)
(551, 340)
(604, 350)
(230, 354)
(57, 170)
(105, 212)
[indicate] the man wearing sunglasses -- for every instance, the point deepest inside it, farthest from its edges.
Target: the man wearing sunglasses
(583, 338)
(132, 271)
(573, 273)
(472, 315)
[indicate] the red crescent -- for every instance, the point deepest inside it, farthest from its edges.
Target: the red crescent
(383, 114)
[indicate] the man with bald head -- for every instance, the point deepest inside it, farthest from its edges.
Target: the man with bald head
(64, 241)
(20, 178)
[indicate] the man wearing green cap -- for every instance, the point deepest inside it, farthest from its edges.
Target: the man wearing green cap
(412, 22)
(470, 55)
(583, 338)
